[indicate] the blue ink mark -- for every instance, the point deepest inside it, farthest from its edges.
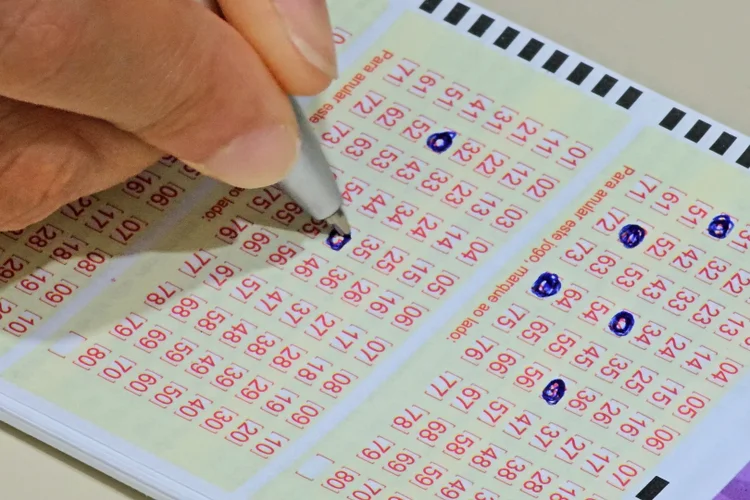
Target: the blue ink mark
(337, 241)
(621, 323)
(554, 391)
(632, 235)
(721, 226)
(441, 141)
(546, 285)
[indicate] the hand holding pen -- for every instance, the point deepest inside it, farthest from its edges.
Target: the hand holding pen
(92, 92)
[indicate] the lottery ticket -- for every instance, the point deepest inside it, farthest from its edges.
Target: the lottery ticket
(546, 293)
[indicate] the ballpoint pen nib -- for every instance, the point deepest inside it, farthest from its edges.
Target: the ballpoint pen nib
(339, 223)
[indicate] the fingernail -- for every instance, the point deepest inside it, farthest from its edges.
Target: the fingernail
(310, 30)
(258, 159)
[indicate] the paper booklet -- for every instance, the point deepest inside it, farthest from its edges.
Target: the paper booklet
(546, 295)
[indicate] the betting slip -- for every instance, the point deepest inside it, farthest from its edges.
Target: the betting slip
(546, 294)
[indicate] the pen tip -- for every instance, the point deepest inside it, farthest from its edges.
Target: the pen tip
(340, 223)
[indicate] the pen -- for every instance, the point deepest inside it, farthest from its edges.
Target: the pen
(310, 182)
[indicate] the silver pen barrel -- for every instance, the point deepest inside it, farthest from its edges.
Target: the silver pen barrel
(310, 182)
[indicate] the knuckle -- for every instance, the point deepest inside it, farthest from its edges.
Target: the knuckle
(35, 182)
(187, 101)
(204, 103)
(22, 223)
(37, 38)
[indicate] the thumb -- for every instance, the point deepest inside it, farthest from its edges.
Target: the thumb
(170, 72)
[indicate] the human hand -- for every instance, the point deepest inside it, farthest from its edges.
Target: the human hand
(94, 91)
